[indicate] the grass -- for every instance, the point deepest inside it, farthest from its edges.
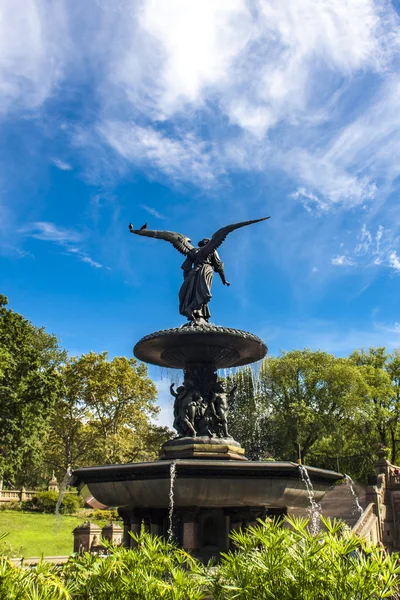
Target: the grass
(33, 534)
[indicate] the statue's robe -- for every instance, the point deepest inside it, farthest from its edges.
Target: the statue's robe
(195, 292)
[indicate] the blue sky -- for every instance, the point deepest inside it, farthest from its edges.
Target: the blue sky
(190, 115)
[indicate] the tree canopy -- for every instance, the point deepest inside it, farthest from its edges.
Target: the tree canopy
(29, 387)
(333, 412)
(57, 411)
(103, 414)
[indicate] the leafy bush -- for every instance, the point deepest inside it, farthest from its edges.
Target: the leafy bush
(153, 570)
(289, 563)
(43, 502)
(11, 505)
(42, 583)
(271, 563)
(71, 503)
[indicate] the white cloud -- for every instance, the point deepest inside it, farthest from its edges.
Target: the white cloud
(82, 256)
(372, 249)
(152, 211)
(50, 232)
(61, 164)
(33, 51)
(365, 241)
(184, 158)
(86, 259)
(198, 41)
(389, 328)
(269, 73)
(342, 261)
(394, 260)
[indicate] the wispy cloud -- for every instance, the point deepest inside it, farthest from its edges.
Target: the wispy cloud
(372, 249)
(153, 211)
(33, 54)
(86, 259)
(82, 256)
(184, 158)
(394, 260)
(195, 92)
(49, 232)
(61, 164)
(261, 68)
(342, 261)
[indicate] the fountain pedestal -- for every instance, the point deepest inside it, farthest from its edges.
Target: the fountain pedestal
(200, 350)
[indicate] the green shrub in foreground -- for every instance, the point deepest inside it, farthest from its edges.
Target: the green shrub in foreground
(288, 563)
(271, 563)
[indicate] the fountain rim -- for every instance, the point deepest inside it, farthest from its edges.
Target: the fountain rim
(245, 347)
(189, 468)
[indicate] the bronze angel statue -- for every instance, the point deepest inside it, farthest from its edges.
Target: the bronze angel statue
(198, 267)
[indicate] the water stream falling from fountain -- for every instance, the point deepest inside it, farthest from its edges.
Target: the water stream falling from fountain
(61, 493)
(172, 477)
(357, 506)
(314, 508)
(63, 488)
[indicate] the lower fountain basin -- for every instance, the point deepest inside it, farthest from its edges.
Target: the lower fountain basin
(205, 483)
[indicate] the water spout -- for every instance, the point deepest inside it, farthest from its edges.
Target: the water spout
(172, 477)
(314, 509)
(357, 506)
(63, 488)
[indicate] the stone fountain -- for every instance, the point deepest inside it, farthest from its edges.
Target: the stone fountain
(202, 487)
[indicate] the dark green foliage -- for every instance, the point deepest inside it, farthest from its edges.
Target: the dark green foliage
(335, 412)
(288, 563)
(29, 386)
(271, 563)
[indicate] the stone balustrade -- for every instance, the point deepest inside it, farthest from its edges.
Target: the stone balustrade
(21, 495)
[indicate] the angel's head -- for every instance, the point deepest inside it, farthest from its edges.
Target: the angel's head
(203, 242)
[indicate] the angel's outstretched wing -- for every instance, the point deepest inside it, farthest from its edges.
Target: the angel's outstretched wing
(179, 241)
(220, 235)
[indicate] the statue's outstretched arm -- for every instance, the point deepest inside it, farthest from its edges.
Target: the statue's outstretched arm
(220, 235)
(178, 240)
(218, 266)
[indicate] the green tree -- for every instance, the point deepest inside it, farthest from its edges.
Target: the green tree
(309, 395)
(382, 375)
(29, 386)
(104, 413)
(301, 397)
(249, 417)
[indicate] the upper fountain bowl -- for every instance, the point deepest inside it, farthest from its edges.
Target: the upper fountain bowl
(222, 346)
